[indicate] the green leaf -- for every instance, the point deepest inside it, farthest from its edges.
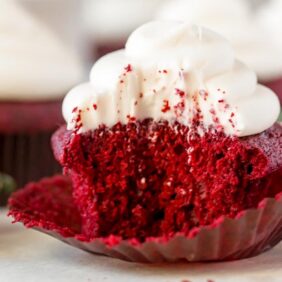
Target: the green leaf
(7, 187)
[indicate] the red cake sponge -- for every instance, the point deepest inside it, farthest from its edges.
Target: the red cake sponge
(149, 179)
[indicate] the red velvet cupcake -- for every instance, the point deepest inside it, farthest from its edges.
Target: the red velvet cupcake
(36, 72)
(168, 155)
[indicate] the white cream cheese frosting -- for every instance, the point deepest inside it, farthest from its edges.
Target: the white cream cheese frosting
(111, 20)
(34, 64)
(235, 20)
(176, 72)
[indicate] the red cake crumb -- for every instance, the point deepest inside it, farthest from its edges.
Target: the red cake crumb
(130, 118)
(148, 179)
(179, 92)
(128, 68)
(166, 106)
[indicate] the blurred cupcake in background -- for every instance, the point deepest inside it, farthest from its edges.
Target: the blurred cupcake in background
(109, 22)
(240, 22)
(270, 17)
(36, 71)
(62, 17)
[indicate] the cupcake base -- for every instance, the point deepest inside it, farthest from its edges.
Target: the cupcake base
(48, 207)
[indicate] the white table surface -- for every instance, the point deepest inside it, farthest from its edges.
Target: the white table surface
(30, 256)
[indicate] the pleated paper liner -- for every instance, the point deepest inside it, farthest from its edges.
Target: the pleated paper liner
(48, 207)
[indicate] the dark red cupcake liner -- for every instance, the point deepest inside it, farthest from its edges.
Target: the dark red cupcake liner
(27, 157)
(48, 207)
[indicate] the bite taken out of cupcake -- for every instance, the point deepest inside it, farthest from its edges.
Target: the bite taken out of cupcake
(169, 154)
(36, 72)
(255, 33)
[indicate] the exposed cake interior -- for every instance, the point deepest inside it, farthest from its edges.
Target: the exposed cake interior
(151, 178)
(168, 135)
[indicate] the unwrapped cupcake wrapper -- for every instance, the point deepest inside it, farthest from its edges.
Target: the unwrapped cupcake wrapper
(27, 157)
(52, 211)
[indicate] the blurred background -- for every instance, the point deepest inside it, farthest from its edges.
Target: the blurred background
(49, 46)
(93, 28)
(96, 27)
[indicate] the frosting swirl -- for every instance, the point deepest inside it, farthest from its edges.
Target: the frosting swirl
(35, 65)
(245, 28)
(173, 71)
